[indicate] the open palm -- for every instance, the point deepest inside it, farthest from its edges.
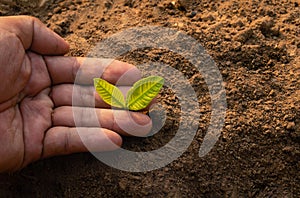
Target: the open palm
(36, 112)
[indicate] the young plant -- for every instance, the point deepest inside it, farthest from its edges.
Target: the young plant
(137, 98)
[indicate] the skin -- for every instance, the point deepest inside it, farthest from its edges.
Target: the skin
(37, 118)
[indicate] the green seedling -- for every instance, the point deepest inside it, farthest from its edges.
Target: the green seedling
(137, 98)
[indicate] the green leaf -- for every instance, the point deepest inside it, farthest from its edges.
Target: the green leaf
(109, 93)
(143, 92)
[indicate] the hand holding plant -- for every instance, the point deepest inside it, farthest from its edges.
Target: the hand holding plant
(37, 109)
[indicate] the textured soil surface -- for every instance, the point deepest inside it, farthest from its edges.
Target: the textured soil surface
(256, 46)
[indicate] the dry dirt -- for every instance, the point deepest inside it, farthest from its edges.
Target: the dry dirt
(256, 45)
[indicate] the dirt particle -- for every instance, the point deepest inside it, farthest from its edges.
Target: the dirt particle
(122, 185)
(288, 149)
(208, 17)
(73, 7)
(290, 126)
(267, 27)
(57, 10)
(108, 4)
(191, 14)
(238, 23)
(288, 117)
(244, 35)
(129, 3)
(272, 93)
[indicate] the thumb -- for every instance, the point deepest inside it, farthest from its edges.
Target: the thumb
(34, 35)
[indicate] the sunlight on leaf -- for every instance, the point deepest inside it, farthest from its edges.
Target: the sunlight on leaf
(143, 92)
(109, 93)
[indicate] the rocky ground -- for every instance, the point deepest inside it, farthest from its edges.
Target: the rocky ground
(256, 46)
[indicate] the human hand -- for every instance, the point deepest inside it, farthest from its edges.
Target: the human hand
(36, 113)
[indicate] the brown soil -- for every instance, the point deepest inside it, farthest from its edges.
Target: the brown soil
(256, 45)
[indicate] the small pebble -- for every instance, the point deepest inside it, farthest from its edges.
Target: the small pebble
(288, 149)
(192, 14)
(290, 126)
(57, 9)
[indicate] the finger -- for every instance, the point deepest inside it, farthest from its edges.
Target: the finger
(120, 121)
(64, 140)
(84, 70)
(78, 95)
(34, 35)
(39, 78)
(83, 96)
